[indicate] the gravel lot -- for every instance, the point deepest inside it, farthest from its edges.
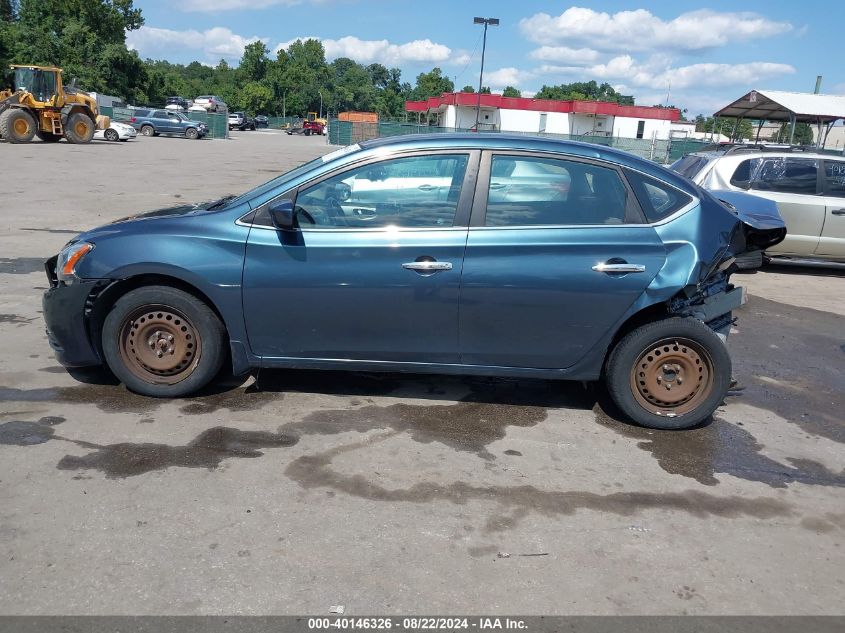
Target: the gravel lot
(390, 493)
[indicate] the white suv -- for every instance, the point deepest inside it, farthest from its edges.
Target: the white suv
(808, 187)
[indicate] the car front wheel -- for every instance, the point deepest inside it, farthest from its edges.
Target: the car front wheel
(670, 374)
(191, 133)
(163, 342)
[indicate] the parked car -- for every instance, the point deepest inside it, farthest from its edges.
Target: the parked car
(211, 103)
(432, 274)
(307, 128)
(177, 103)
(261, 121)
(155, 122)
(240, 121)
(116, 131)
(808, 187)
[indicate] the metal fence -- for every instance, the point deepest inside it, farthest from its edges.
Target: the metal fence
(218, 124)
(346, 133)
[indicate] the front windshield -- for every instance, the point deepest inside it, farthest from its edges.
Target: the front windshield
(275, 182)
(40, 83)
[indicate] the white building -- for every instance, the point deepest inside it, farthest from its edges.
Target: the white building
(577, 118)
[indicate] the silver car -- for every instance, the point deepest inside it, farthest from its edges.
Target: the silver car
(808, 187)
(211, 103)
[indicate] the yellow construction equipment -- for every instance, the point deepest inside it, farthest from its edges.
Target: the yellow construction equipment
(39, 105)
(312, 116)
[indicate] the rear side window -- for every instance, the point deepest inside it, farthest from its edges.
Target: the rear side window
(786, 175)
(657, 199)
(159, 114)
(141, 113)
(533, 191)
(742, 175)
(834, 178)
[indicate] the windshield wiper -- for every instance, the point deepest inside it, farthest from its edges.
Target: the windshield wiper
(219, 203)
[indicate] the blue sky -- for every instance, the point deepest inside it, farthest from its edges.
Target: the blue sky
(703, 54)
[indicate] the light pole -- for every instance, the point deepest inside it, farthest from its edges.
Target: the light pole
(320, 92)
(486, 22)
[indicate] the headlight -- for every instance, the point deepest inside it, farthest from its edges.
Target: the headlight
(69, 258)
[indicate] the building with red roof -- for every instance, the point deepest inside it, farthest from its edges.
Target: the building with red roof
(521, 114)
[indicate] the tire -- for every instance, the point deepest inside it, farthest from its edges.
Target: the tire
(111, 135)
(148, 130)
(307, 132)
(163, 342)
(79, 128)
(49, 137)
(17, 126)
(192, 133)
(690, 350)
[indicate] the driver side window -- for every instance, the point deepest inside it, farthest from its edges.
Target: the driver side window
(416, 191)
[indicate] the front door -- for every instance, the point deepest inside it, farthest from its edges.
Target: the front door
(545, 267)
(832, 241)
(373, 273)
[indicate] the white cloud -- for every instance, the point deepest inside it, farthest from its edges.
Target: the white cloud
(640, 30)
(566, 55)
(212, 44)
(366, 51)
(706, 75)
(503, 77)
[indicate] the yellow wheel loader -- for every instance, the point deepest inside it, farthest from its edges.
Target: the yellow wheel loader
(39, 105)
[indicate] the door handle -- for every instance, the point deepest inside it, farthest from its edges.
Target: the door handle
(619, 268)
(426, 187)
(497, 185)
(427, 266)
(838, 212)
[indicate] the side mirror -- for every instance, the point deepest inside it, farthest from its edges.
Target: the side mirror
(282, 215)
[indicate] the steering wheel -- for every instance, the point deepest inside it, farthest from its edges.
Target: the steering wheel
(336, 213)
(308, 217)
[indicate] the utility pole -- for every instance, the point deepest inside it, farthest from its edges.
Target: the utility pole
(486, 22)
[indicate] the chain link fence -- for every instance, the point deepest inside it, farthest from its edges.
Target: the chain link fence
(346, 133)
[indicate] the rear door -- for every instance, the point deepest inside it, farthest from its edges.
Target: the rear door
(542, 281)
(162, 122)
(794, 183)
(832, 241)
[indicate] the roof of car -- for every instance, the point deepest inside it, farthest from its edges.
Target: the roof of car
(522, 142)
(728, 149)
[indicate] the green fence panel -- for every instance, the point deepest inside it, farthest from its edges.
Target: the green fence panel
(279, 122)
(682, 146)
(218, 124)
(106, 111)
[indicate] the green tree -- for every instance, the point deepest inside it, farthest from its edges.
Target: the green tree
(432, 84)
(468, 89)
(510, 91)
(253, 66)
(586, 91)
(803, 134)
(256, 97)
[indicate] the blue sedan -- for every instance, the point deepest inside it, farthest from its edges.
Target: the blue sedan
(460, 254)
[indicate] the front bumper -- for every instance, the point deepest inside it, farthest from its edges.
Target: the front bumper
(65, 309)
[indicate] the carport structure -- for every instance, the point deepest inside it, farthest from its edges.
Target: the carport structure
(792, 107)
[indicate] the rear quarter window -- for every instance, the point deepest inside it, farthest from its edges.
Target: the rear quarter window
(657, 199)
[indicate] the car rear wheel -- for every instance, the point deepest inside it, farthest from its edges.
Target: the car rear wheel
(148, 130)
(163, 342)
(670, 374)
